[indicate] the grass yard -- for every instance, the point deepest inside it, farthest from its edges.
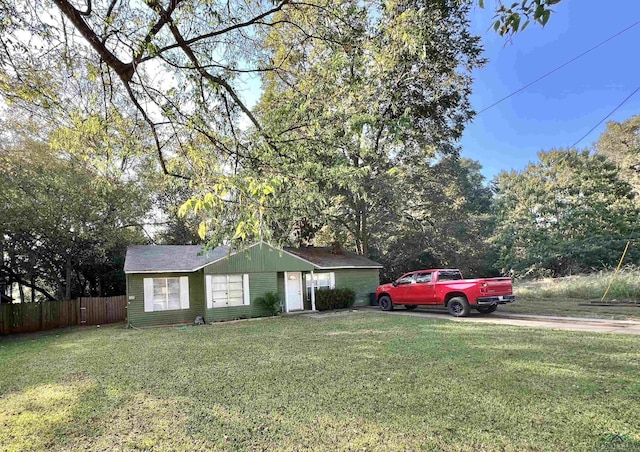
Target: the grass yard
(357, 381)
(568, 307)
(564, 296)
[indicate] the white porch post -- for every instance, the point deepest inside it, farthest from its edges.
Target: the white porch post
(286, 298)
(313, 293)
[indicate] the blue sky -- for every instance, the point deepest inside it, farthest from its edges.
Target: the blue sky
(558, 110)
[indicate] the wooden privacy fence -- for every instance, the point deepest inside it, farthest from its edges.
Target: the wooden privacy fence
(47, 315)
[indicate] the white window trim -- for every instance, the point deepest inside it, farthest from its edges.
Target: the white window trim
(148, 293)
(246, 297)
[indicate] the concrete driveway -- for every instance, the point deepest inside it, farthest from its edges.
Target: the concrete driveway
(532, 321)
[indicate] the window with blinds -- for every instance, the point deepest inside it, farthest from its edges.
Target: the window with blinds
(227, 290)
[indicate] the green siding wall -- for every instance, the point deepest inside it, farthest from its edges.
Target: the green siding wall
(363, 281)
(135, 309)
(281, 285)
(259, 284)
(258, 258)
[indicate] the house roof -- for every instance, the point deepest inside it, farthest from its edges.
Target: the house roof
(170, 258)
(189, 258)
(328, 257)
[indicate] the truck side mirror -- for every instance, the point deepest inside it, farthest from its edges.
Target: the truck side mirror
(394, 284)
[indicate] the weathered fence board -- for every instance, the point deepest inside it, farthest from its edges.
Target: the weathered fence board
(47, 315)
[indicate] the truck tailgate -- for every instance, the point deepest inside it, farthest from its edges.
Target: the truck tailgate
(497, 286)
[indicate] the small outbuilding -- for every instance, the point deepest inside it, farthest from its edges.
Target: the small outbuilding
(172, 284)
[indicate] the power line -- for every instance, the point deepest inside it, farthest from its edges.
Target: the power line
(558, 68)
(606, 117)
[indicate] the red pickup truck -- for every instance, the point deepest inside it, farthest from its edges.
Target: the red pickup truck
(446, 288)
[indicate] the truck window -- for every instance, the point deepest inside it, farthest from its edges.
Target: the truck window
(450, 275)
(405, 280)
(423, 278)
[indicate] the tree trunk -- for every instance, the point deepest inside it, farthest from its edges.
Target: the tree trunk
(82, 283)
(365, 231)
(362, 238)
(32, 279)
(3, 283)
(21, 290)
(69, 278)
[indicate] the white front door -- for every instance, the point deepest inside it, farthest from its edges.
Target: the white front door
(293, 282)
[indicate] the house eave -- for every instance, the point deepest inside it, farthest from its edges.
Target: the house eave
(130, 272)
(354, 267)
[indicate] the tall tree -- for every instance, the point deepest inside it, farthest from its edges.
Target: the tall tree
(64, 226)
(620, 143)
(569, 212)
(364, 112)
(439, 217)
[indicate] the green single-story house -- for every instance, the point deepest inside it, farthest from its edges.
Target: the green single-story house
(172, 284)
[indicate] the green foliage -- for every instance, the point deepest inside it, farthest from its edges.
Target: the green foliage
(569, 213)
(334, 299)
(620, 143)
(510, 19)
(371, 165)
(169, 194)
(443, 219)
(65, 225)
(271, 302)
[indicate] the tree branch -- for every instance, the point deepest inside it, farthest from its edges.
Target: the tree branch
(165, 16)
(124, 70)
(154, 132)
(188, 42)
(14, 277)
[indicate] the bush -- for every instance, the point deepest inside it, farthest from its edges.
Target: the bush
(270, 301)
(334, 299)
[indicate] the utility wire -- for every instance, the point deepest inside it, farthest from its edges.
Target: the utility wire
(558, 68)
(606, 117)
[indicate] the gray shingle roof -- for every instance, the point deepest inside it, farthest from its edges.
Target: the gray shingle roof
(327, 257)
(187, 258)
(170, 258)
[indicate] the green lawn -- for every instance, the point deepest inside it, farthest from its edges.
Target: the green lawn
(358, 381)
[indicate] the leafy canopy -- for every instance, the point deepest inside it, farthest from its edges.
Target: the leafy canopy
(568, 213)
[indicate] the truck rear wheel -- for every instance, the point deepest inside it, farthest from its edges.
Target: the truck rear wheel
(459, 307)
(486, 309)
(385, 303)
